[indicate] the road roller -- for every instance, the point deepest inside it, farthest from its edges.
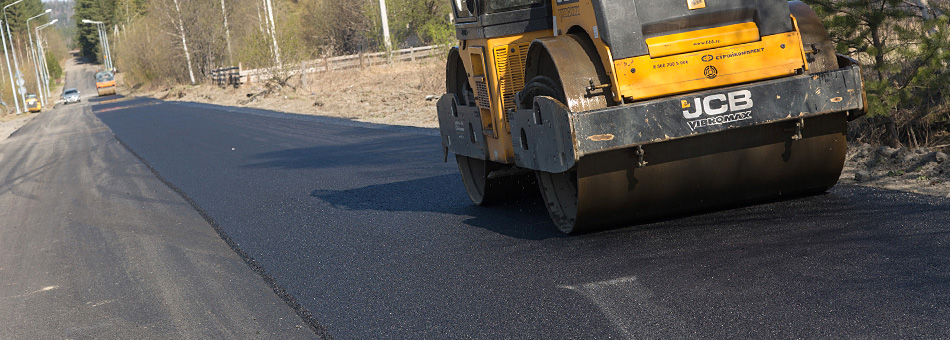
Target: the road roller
(628, 110)
(105, 83)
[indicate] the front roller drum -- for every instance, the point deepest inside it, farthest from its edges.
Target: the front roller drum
(106, 91)
(729, 168)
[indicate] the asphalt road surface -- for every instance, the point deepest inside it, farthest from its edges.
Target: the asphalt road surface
(94, 246)
(367, 234)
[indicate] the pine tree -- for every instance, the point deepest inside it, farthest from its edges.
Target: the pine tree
(87, 36)
(904, 58)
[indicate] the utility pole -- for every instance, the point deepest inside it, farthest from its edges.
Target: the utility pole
(382, 13)
(36, 62)
(103, 42)
(10, 67)
(3, 38)
(16, 64)
(39, 45)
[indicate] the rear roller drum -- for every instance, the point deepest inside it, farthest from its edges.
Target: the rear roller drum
(475, 178)
(567, 83)
(488, 182)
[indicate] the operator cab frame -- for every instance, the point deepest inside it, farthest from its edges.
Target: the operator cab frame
(487, 19)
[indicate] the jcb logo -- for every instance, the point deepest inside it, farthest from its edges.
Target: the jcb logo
(717, 104)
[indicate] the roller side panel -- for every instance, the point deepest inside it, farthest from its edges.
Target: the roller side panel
(628, 126)
(460, 127)
(550, 146)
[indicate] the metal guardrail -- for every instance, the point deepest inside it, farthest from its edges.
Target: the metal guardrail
(342, 62)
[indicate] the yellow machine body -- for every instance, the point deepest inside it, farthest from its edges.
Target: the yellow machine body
(678, 63)
(694, 115)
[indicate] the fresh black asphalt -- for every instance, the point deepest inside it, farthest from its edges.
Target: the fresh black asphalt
(366, 229)
(94, 246)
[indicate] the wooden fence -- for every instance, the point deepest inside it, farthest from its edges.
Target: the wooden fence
(342, 62)
(228, 76)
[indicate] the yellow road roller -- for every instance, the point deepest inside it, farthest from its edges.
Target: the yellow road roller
(105, 83)
(626, 110)
(33, 103)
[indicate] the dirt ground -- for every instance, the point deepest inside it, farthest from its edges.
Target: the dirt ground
(9, 123)
(406, 93)
(923, 170)
(398, 94)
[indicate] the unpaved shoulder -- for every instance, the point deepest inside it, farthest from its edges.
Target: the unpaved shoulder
(7, 128)
(921, 171)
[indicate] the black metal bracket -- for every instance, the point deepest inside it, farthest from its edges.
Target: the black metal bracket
(591, 88)
(799, 125)
(640, 153)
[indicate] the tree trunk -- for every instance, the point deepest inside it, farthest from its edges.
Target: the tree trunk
(184, 41)
(227, 33)
(879, 56)
(892, 135)
(273, 32)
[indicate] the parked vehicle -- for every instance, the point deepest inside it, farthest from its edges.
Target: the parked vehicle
(33, 103)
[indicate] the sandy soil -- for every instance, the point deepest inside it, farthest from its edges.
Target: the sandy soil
(398, 94)
(922, 171)
(406, 93)
(10, 123)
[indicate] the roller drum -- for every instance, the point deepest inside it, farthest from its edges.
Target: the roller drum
(692, 174)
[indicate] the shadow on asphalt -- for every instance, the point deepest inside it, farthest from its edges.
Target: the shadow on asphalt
(522, 217)
(106, 99)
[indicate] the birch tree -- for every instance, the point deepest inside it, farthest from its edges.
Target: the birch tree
(172, 15)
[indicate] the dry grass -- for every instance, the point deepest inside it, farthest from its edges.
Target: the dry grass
(6, 117)
(389, 94)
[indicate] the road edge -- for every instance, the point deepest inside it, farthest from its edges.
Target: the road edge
(318, 329)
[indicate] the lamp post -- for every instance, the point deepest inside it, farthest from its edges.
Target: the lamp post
(39, 46)
(16, 63)
(44, 71)
(103, 41)
(3, 38)
(36, 61)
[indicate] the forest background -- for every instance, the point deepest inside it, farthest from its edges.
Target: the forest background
(53, 38)
(903, 45)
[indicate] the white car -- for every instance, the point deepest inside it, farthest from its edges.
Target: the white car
(71, 96)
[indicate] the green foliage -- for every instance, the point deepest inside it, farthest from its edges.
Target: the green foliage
(905, 50)
(351, 26)
(17, 14)
(55, 70)
(151, 51)
(87, 36)
(413, 21)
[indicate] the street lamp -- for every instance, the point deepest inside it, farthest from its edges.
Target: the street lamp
(39, 46)
(36, 61)
(3, 38)
(13, 51)
(103, 40)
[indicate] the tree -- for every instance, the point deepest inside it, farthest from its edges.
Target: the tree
(904, 58)
(87, 36)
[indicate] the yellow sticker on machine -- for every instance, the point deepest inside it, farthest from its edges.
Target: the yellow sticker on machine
(696, 4)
